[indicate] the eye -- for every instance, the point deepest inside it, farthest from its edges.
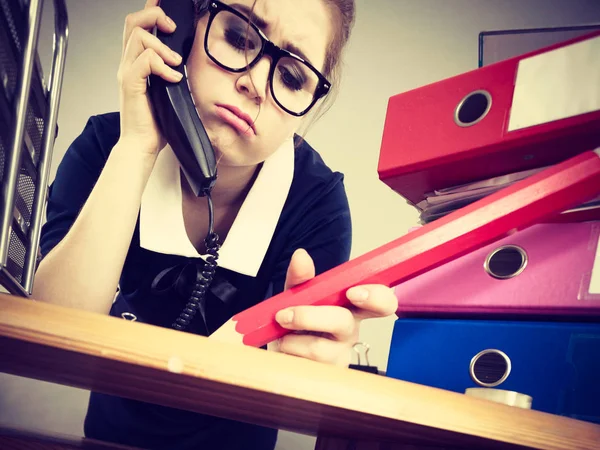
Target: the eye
(238, 39)
(292, 77)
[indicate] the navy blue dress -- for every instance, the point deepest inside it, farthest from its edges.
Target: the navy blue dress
(315, 217)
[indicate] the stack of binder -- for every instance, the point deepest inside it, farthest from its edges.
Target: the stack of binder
(519, 318)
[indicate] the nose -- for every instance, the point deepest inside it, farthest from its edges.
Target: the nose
(253, 83)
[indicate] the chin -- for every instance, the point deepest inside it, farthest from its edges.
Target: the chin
(230, 148)
(230, 154)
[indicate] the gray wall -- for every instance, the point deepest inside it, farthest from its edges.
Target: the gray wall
(397, 45)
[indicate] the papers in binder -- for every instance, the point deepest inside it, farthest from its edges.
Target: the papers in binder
(444, 201)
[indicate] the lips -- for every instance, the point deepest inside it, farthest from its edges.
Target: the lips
(238, 119)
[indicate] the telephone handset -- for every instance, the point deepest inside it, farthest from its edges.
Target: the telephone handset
(174, 107)
(179, 123)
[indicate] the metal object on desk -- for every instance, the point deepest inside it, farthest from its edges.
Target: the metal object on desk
(30, 112)
(367, 367)
(509, 398)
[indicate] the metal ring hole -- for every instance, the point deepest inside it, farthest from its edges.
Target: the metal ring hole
(490, 368)
(473, 108)
(506, 262)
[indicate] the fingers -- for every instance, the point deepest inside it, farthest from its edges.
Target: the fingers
(147, 19)
(316, 348)
(148, 63)
(326, 333)
(144, 54)
(334, 320)
(373, 300)
(301, 269)
(141, 40)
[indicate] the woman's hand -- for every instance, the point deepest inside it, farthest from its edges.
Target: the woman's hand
(144, 54)
(328, 333)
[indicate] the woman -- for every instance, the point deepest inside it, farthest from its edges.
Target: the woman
(120, 215)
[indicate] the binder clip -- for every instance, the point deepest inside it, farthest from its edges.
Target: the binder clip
(359, 366)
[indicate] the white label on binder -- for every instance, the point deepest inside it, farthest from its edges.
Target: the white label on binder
(595, 281)
(557, 84)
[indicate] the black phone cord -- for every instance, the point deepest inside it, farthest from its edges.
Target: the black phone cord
(205, 274)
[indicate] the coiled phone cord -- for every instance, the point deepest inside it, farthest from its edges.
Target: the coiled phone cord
(204, 277)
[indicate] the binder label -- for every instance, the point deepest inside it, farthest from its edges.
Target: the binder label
(556, 85)
(595, 280)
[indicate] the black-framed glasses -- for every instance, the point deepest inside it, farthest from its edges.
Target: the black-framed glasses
(236, 44)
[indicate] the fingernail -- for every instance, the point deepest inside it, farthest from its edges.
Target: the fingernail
(178, 75)
(176, 55)
(170, 22)
(285, 316)
(358, 294)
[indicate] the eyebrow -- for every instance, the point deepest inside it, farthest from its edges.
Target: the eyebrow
(263, 25)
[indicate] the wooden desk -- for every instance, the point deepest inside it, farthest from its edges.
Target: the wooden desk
(13, 439)
(163, 366)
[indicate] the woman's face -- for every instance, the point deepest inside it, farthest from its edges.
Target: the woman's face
(304, 24)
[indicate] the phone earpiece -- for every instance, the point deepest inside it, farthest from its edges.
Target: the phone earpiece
(174, 106)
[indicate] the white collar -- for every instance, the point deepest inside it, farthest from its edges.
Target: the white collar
(162, 228)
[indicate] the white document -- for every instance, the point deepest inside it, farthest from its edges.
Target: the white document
(558, 84)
